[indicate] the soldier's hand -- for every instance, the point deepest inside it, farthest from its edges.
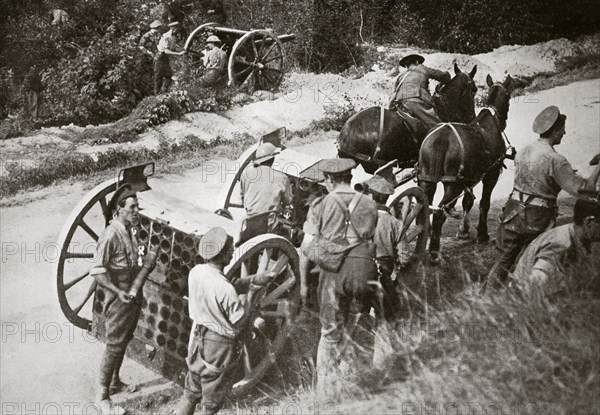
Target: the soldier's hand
(263, 278)
(123, 296)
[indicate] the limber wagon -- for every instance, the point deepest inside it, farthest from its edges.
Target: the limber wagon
(256, 58)
(266, 242)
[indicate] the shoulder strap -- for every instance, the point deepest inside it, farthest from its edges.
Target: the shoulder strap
(348, 210)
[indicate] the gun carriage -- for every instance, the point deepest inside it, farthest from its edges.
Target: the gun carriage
(266, 242)
(256, 58)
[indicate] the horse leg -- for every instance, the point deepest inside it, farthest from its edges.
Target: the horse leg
(489, 182)
(429, 189)
(451, 191)
(467, 204)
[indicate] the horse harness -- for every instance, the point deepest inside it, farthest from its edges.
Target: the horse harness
(459, 178)
(380, 132)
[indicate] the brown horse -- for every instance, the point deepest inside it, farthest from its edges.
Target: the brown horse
(459, 156)
(369, 129)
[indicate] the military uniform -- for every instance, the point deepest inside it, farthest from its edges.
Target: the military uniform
(411, 90)
(149, 41)
(544, 263)
(215, 61)
(337, 291)
(540, 174)
(263, 189)
(120, 261)
(162, 66)
(214, 347)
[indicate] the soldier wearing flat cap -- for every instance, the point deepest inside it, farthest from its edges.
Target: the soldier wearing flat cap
(263, 188)
(219, 317)
(162, 67)
(149, 41)
(345, 218)
(120, 262)
(411, 89)
(540, 174)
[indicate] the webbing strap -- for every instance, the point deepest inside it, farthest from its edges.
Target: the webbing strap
(462, 149)
(348, 211)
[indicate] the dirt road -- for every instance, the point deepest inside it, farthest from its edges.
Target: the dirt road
(47, 366)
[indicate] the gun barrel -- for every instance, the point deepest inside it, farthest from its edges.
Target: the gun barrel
(287, 38)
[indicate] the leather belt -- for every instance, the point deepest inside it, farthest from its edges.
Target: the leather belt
(532, 199)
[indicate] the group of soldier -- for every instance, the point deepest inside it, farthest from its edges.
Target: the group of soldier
(162, 46)
(355, 241)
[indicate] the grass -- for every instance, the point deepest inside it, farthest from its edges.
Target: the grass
(460, 352)
(169, 157)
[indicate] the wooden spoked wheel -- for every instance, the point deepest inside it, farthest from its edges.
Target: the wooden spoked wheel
(196, 43)
(275, 305)
(77, 244)
(412, 208)
(256, 61)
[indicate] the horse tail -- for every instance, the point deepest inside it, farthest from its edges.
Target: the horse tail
(432, 155)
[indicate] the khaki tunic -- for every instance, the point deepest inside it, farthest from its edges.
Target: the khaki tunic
(118, 251)
(545, 261)
(415, 83)
(263, 189)
(387, 236)
(326, 218)
(541, 171)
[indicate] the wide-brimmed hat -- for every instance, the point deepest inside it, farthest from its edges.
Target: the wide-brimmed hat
(375, 184)
(264, 153)
(546, 119)
(213, 242)
(213, 39)
(156, 24)
(405, 61)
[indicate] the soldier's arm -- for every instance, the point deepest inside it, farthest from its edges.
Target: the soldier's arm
(100, 273)
(442, 77)
(571, 182)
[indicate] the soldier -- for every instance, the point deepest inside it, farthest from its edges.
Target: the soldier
(162, 66)
(390, 248)
(215, 61)
(342, 218)
(32, 89)
(150, 39)
(540, 174)
(411, 89)
(262, 188)
(545, 264)
(219, 318)
(121, 263)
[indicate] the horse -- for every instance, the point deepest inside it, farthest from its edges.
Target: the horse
(375, 136)
(459, 156)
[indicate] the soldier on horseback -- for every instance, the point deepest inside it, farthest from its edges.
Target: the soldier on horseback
(411, 90)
